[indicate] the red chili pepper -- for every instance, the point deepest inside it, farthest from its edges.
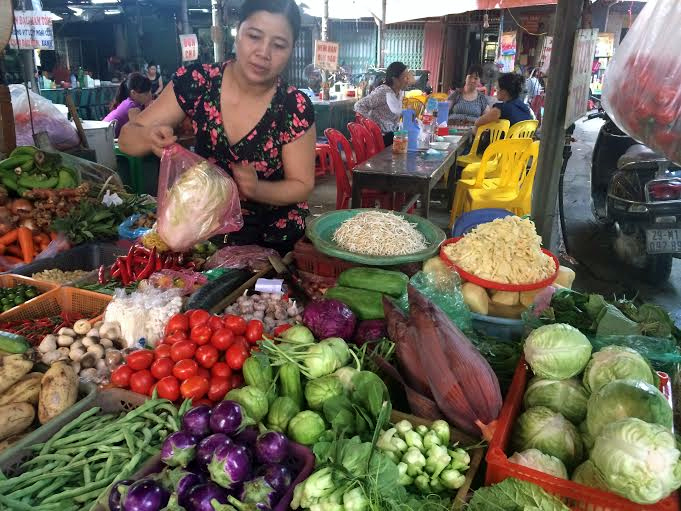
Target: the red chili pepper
(125, 276)
(116, 273)
(142, 250)
(101, 278)
(138, 259)
(149, 268)
(131, 252)
(158, 264)
(128, 266)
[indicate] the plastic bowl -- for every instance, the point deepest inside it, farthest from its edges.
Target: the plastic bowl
(505, 329)
(489, 284)
(440, 146)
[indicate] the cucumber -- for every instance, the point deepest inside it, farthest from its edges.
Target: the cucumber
(393, 283)
(289, 381)
(213, 292)
(13, 343)
(365, 304)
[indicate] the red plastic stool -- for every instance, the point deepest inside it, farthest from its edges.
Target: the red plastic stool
(323, 152)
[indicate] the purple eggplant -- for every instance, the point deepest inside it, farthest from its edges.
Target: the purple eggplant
(207, 497)
(118, 490)
(180, 481)
(247, 436)
(231, 464)
(196, 421)
(271, 447)
(258, 491)
(207, 448)
(145, 495)
(228, 417)
(277, 476)
(178, 449)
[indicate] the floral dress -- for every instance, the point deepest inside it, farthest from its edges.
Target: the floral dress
(288, 117)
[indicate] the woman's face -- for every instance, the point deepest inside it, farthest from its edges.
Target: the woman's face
(152, 70)
(404, 80)
(141, 98)
(263, 46)
(503, 95)
(472, 81)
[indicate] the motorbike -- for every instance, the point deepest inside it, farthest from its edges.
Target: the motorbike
(638, 192)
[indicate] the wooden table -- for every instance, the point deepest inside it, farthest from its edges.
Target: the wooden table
(415, 173)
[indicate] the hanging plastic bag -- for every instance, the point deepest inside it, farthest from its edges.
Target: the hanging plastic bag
(196, 200)
(128, 231)
(641, 91)
(46, 117)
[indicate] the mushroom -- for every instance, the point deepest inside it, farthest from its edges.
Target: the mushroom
(110, 331)
(67, 331)
(94, 332)
(101, 366)
(88, 360)
(89, 374)
(97, 350)
(90, 341)
(64, 352)
(77, 345)
(76, 366)
(113, 358)
(106, 343)
(65, 340)
(82, 326)
(77, 354)
(98, 324)
(49, 343)
(51, 357)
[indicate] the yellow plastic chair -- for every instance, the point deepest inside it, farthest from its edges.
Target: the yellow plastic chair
(439, 96)
(523, 129)
(414, 104)
(518, 198)
(497, 130)
(505, 156)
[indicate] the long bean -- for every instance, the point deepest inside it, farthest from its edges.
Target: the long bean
(71, 425)
(76, 492)
(57, 483)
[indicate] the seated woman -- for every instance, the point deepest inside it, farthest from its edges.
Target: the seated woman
(511, 107)
(133, 95)
(468, 104)
(384, 104)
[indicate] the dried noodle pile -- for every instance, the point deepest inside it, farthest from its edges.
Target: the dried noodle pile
(506, 250)
(379, 234)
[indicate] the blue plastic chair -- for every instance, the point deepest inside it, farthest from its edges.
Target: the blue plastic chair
(472, 219)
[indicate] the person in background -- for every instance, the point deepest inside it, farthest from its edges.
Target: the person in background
(510, 107)
(532, 86)
(468, 104)
(384, 104)
(133, 95)
(155, 78)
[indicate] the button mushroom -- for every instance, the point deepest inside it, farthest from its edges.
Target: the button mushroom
(77, 354)
(89, 341)
(107, 343)
(110, 331)
(87, 360)
(94, 332)
(49, 343)
(67, 331)
(97, 350)
(82, 326)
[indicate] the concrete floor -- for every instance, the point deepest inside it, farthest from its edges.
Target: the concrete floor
(597, 268)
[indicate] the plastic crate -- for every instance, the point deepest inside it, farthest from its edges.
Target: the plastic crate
(10, 280)
(11, 458)
(87, 304)
(577, 496)
(462, 439)
(310, 260)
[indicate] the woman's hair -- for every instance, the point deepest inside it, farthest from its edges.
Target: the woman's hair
(151, 64)
(394, 71)
(475, 69)
(137, 82)
(512, 83)
(288, 8)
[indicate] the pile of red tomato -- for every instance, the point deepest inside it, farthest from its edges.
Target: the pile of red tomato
(199, 358)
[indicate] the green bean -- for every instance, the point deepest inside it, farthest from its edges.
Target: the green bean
(147, 435)
(87, 475)
(12, 482)
(72, 440)
(96, 492)
(152, 417)
(133, 414)
(68, 427)
(15, 505)
(29, 490)
(130, 440)
(72, 494)
(44, 457)
(57, 483)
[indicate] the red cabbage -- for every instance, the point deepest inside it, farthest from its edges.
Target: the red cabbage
(329, 318)
(370, 330)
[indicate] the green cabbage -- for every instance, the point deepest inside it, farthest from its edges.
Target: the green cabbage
(638, 460)
(252, 399)
(534, 458)
(319, 390)
(567, 397)
(587, 438)
(320, 360)
(557, 352)
(542, 428)
(587, 475)
(306, 427)
(620, 399)
(617, 363)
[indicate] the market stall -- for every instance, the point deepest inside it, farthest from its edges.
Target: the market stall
(92, 103)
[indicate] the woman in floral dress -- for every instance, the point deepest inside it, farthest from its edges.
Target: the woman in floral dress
(248, 121)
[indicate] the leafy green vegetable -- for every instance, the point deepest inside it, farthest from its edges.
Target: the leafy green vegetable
(567, 397)
(501, 355)
(340, 413)
(319, 390)
(616, 363)
(534, 458)
(587, 475)
(252, 399)
(612, 321)
(306, 427)
(557, 351)
(514, 495)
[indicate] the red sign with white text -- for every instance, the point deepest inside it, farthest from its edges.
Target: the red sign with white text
(190, 47)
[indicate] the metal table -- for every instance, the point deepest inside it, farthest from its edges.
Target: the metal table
(415, 173)
(336, 114)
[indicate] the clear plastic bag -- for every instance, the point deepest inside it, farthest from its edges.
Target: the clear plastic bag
(450, 300)
(185, 280)
(641, 91)
(127, 231)
(196, 200)
(663, 354)
(237, 257)
(46, 117)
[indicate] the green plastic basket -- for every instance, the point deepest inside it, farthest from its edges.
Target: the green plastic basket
(320, 232)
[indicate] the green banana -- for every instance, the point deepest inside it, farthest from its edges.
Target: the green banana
(65, 179)
(33, 182)
(13, 162)
(10, 183)
(25, 150)
(27, 167)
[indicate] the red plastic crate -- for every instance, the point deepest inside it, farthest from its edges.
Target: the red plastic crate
(310, 260)
(577, 496)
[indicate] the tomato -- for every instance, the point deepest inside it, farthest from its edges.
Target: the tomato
(182, 350)
(215, 323)
(665, 116)
(219, 388)
(120, 377)
(168, 388)
(236, 324)
(207, 355)
(204, 401)
(236, 356)
(222, 339)
(194, 387)
(666, 95)
(177, 323)
(162, 351)
(201, 334)
(141, 359)
(221, 370)
(281, 329)
(254, 330)
(241, 340)
(198, 317)
(141, 381)
(174, 338)
(203, 372)
(162, 367)
(185, 369)
(236, 380)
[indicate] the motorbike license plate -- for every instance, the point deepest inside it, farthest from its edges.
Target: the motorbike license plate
(663, 241)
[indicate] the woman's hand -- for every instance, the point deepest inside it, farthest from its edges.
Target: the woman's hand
(246, 179)
(160, 138)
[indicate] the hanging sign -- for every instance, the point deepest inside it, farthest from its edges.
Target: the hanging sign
(33, 31)
(326, 55)
(190, 47)
(508, 43)
(545, 56)
(582, 61)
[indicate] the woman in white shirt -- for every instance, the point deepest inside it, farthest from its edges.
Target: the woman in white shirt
(384, 104)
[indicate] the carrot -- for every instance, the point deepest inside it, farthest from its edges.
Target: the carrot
(26, 243)
(10, 237)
